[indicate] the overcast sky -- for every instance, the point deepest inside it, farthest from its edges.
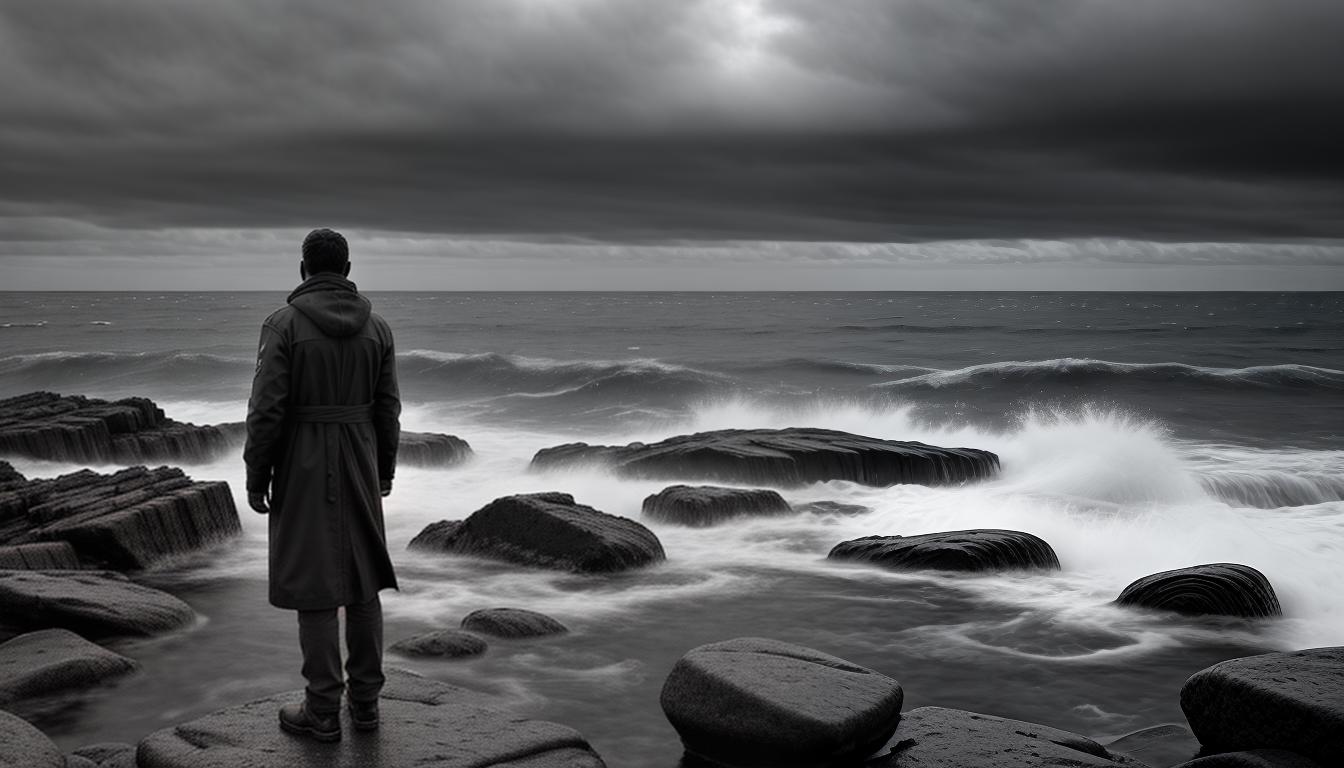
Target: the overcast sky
(675, 144)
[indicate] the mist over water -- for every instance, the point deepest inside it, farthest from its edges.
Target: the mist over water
(1136, 434)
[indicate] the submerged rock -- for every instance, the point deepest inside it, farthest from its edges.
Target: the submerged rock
(783, 457)
(512, 623)
(424, 723)
(94, 604)
(974, 550)
(547, 530)
(50, 660)
(934, 737)
(130, 519)
(23, 746)
(1289, 701)
(706, 505)
(445, 643)
(832, 508)
(760, 702)
(1224, 589)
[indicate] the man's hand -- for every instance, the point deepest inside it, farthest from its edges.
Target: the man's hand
(385, 488)
(257, 501)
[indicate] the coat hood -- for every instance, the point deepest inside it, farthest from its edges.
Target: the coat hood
(332, 303)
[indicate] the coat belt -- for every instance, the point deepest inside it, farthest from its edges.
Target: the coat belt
(333, 414)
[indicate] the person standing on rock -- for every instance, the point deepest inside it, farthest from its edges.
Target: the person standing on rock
(322, 432)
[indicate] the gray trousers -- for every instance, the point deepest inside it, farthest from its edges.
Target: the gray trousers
(319, 638)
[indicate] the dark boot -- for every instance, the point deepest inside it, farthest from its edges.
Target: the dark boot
(364, 715)
(299, 719)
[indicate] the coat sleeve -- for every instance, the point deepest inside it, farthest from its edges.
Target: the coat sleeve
(387, 415)
(266, 408)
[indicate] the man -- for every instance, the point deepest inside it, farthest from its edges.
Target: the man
(322, 432)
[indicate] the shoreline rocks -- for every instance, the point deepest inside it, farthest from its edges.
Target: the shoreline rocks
(1222, 589)
(781, 457)
(706, 505)
(24, 746)
(444, 643)
(935, 737)
(973, 550)
(52, 660)
(512, 623)
(94, 604)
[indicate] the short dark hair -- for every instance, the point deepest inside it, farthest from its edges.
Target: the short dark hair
(325, 250)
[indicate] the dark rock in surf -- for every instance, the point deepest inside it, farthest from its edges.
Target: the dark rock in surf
(425, 723)
(1158, 745)
(415, 449)
(934, 737)
(759, 702)
(446, 643)
(1290, 701)
(781, 457)
(94, 604)
(43, 556)
(130, 519)
(834, 508)
(546, 530)
(52, 660)
(23, 746)
(512, 623)
(45, 425)
(974, 550)
(706, 505)
(1223, 589)
(1254, 758)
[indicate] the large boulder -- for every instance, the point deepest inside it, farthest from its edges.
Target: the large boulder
(548, 530)
(759, 702)
(781, 457)
(705, 505)
(444, 643)
(94, 604)
(512, 623)
(431, 449)
(1287, 701)
(975, 550)
(934, 737)
(51, 660)
(425, 724)
(23, 746)
(1224, 589)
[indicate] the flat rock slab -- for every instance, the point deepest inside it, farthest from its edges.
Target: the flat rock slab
(760, 702)
(446, 643)
(780, 457)
(1288, 701)
(974, 550)
(43, 556)
(934, 737)
(1223, 589)
(425, 724)
(50, 660)
(546, 530)
(701, 506)
(512, 623)
(1255, 758)
(23, 746)
(93, 604)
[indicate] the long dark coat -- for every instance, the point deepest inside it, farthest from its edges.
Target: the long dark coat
(322, 432)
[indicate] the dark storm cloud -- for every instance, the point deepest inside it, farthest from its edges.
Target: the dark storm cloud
(650, 121)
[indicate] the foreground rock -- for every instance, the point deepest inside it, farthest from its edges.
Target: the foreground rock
(706, 505)
(784, 457)
(130, 519)
(426, 724)
(1223, 589)
(49, 555)
(1287, 701)
(1255, 758)
(419, 449)
(23, 746)
(975, 550)
(94, 604)
(547, 530)
(759, 702)
(53, 660)
(934, 737)
(108, 754)
(512, 623)
(45, 425)
(446, 643)
(1158, 745)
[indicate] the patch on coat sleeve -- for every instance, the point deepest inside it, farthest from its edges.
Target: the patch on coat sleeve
(260, 352)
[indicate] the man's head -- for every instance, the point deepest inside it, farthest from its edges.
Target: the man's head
(325, 250)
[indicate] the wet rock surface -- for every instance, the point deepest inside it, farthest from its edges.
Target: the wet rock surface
(431, 449)
(934, 737)
(832, 508)
(47, 555)
(93, 604)
(1255, 758)
(706, 505)
(1159, 746)
(23, 746)
(51, 660)
(974, 550)
(512, 623)
(762, 702)
(547, 530)
(780, 457)
(1223, 589)
(108, 754)
(445, 643)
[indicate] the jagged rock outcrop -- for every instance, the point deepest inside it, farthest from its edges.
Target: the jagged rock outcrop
(126, 520)
(705, 505)
(1224, 589)
(425, 723)
(45, 425)
(23, 746)
(781, 457)
(51, 660)
(934, 737)
(759, 702)
(47, 555)
(974, 550)
(1286, 701)
(512, 623)
(547, 530)
(445, 643)
(94, 604)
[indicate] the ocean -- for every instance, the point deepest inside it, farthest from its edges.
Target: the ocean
(1137, 433)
